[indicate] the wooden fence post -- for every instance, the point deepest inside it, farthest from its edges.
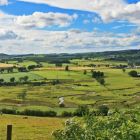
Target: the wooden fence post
(9, 132)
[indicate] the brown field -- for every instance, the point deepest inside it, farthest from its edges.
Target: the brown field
(3, 65)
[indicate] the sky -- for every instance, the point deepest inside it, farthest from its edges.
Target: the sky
(62, 26)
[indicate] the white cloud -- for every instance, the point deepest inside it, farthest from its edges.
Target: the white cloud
(40, 41)
(7, 35)
(107, 9)
(17, 40)
(41, 20)
(3, 2)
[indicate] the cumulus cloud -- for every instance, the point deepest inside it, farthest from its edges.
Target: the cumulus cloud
(3, 2)
(7, 35)
(40, 41)
(108, 9)
(41, 20)
(17, 40)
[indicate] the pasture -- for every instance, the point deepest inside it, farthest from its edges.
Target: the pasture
(31, 128)
(120, 91)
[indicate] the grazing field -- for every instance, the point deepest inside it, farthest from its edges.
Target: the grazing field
(17, 75)
(30, 128)
(75, 84)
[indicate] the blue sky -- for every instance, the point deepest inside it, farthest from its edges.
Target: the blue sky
(52, 26)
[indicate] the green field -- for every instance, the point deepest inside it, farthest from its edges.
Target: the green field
(31, 128)
(121, 91)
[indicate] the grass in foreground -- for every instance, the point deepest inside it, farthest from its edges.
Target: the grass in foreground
(32, 128)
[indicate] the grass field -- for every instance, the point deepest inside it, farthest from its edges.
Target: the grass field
(120, 91)
(32, 128)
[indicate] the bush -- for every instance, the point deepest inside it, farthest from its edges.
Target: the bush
(8, 111)
(103, 110)
(55, 82)
(66, 114)
(38, 113)
(50, 114)
(62, 105)
(115, 127)
(133, 73)
(101, 81)
(81, 111)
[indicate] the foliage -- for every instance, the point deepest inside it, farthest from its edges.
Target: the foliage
(85, 72)
(66, 114)
(103, 110)
(8, 111)
(133, 73)
(97, 74)
(12, 79)
(81, 111)
(101, 81)
(115, 127)
(67, 68)
(38, 113)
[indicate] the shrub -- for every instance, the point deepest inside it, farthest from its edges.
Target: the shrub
(85, 72)
(81, 111)
(101, 81)
(55, 82)
(50, 114)
(103, 110)
(115, 127)
(67, 68)
(133, 73)
(38, 113)
(66, 114)
(62, 105)
(8, 111)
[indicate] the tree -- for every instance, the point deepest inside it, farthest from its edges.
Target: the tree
(10, 70)
(81, 111)
(25, 78)
(85, 72)
(22, 69)
(124, 70)
(31, 67)
(133, 73)
(12, 80)
(101, 81)
(1, 81)
(67, 68)
(103, 110)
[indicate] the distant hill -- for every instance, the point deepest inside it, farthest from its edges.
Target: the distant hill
(124, 55)
(4, 56)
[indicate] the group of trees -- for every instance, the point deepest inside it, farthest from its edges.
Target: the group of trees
(32, 67)
(8, 70)
(12, 80)
(29, 112)
(99, 76)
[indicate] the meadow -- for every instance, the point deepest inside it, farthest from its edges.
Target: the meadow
(121, 91)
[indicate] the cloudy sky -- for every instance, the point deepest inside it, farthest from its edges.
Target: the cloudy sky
(62, 26)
